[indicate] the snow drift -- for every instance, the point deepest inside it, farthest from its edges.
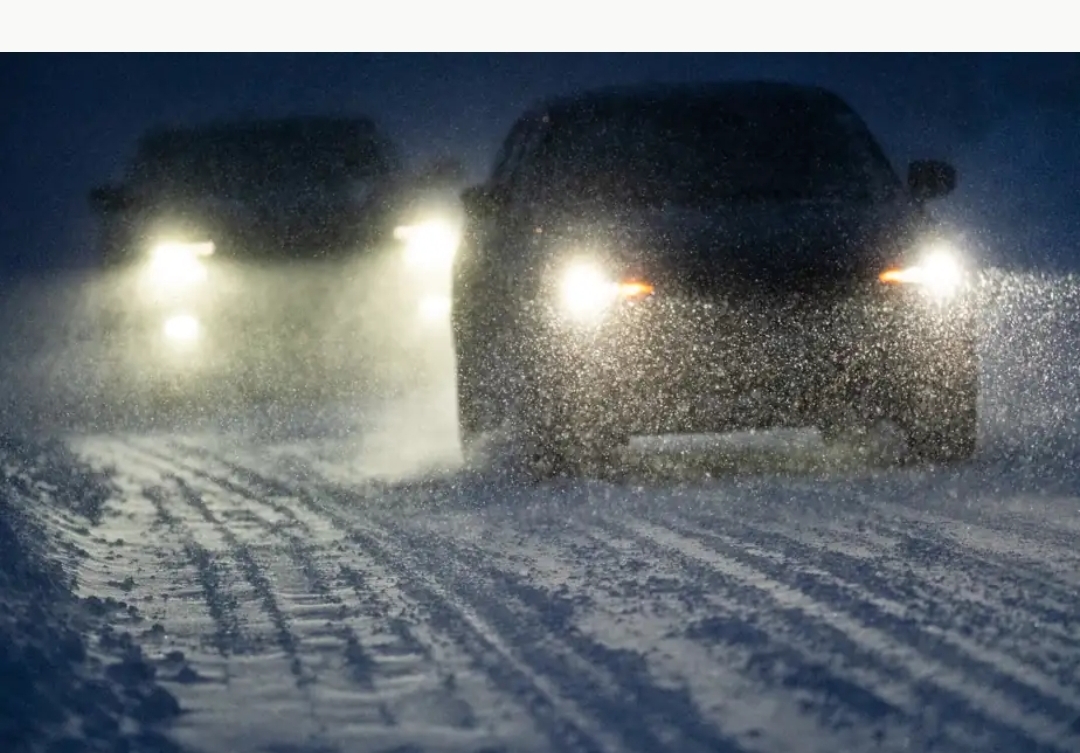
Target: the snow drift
(71, 676)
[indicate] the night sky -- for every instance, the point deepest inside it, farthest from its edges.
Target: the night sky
(68, 122)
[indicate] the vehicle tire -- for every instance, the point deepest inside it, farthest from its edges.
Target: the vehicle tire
(478, 410)
(942, 421)
(567, 434)
(470, 414)
(939, 419)
(949, 437)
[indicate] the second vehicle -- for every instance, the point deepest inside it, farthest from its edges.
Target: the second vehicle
(255, 256)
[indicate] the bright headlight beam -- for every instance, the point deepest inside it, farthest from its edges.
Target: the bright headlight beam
(434, 308)
(181, 328)
(429, 245)
(939, 272)
(177, 265)
(586, 290)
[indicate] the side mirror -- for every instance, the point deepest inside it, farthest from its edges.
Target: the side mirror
(482, 201)
(930, 179)
(109, 199)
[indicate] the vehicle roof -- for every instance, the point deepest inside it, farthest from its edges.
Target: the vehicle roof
(738, 92)
(163, 141)
(308, 125)
(358, 135)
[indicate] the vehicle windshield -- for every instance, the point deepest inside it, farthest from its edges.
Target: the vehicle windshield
(702, 151)
(259, 161)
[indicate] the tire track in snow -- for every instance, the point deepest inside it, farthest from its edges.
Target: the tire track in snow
(920, 548)
(283, 510)
(614, 685)
(162, 517)
(299, 551)
(1026, 532)
(493, 658)
(914, 602)
(487, 656)
(919, 540)
(224, 558)
(530, 608)
(980, 711)
(296, 547)
(610, 687)
(221, 605)
(1034, 696)
(771, 656)
(567, 728)
(253, 573)
(376, 608)
(1026, 545)
(728, 663)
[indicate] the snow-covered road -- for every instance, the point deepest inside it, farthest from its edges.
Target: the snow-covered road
(354, 589)
(853, 610)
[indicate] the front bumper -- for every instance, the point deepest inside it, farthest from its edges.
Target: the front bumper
(225, 360)
(681, 366)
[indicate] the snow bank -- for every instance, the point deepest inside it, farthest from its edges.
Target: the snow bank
(71, 677)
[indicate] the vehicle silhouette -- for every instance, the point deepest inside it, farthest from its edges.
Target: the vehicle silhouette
(708, 258)
(245, 253)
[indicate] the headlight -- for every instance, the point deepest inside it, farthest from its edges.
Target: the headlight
(174, 266)
(939, 272)
(434, 308)
(586, 290)
(181, 328)
(429, 245)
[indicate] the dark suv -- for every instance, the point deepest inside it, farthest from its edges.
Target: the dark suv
(708, 258)
(298, 188)
(259, 253)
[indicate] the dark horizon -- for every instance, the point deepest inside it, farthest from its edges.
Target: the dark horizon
(1006, 121)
